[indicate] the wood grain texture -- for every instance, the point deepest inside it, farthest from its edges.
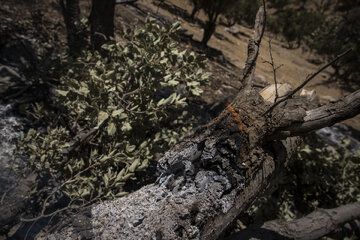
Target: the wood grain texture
(324, 116)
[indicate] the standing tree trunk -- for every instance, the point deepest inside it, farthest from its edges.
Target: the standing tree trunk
(102, 23)
(196, 8)
(213, 9)
(75, 37)
(194, 11)
(209, 29)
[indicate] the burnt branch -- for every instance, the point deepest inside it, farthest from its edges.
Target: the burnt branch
(253, 47)
(274, 69)
(324, 116)
(313, 226)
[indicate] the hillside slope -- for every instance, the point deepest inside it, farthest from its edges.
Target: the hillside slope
(233, 45)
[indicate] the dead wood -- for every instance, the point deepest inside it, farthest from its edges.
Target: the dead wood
(324, 116)
(313, 226)
(254, 46)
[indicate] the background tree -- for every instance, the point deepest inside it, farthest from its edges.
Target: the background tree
(295, 20)
(196, 8)
(75, 35)
(341, 29)
(213, 8)
(244, 11)
(325, 26)
(101, 22)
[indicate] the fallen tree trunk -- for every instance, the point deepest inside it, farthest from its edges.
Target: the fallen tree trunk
(207, 181)
(209, 178)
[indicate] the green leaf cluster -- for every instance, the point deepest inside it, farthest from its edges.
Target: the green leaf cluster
(116, 113)
(296, 24)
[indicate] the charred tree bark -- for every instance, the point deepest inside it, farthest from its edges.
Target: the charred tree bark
(75, 36)
(102, 23)
(205, 182)
(311, 227)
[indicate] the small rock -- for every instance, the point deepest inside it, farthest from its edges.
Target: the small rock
(268, 93)
(233, 30)
(310, 94)
(328, 98)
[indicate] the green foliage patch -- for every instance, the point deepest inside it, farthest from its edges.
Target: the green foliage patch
(116, 113)
(242, 11)
(296, 25)
(327, 27)
(337, 34)
(319, 176)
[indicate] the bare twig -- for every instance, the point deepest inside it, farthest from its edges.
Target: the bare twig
(70, 206)
(274, 68)
(28, 231)
(253, 47)
(308, 79)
